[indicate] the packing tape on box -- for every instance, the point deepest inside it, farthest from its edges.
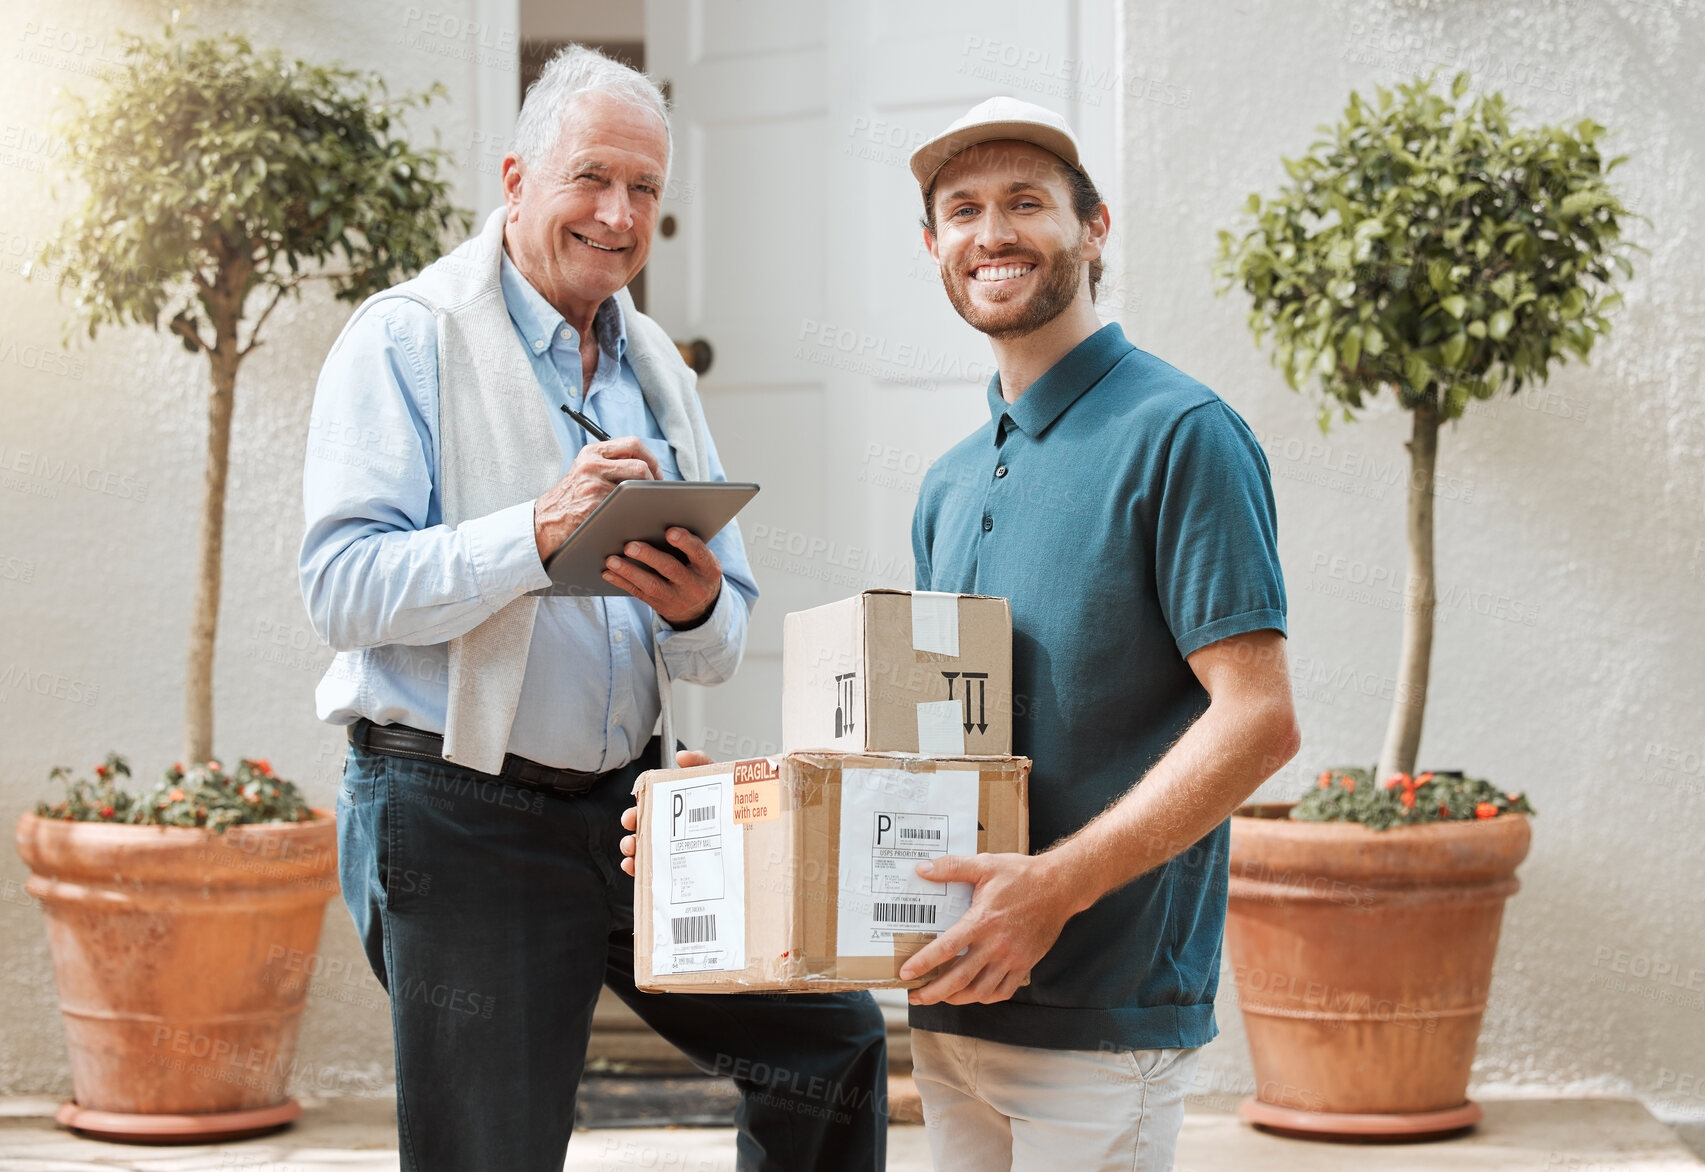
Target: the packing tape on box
(940, 733)
(935, 622)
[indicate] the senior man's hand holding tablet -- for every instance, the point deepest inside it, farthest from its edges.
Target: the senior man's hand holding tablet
(614, 523)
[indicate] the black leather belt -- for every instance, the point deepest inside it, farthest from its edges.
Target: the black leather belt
(399, 740)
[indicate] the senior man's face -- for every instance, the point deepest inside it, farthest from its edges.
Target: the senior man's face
(1012, 251)
(581, 218)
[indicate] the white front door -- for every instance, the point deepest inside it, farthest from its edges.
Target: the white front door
(840, 372)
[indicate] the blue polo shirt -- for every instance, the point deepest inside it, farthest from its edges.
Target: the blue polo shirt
(1126, 512)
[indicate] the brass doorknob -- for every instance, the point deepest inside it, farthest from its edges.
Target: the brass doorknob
(696, 354)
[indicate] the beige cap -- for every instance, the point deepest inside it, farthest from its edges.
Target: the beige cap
(997, 119)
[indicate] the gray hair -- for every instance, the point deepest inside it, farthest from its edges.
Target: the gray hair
(577, 70)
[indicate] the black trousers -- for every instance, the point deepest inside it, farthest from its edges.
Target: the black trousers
(493, 915)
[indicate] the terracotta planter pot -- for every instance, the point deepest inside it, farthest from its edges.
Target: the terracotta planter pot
(172, 949)
(1362, 960)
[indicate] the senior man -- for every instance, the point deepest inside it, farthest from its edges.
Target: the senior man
(1126, 512)
(495, 734)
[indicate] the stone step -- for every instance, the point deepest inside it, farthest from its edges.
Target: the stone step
(660, 1100)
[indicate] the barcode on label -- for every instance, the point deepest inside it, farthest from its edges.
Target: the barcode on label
(695, 929)
(908, 832)
(702, 814)
(905, 913)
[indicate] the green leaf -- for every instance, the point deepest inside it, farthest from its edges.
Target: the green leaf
(1430, 232)
(1416, 372)
(196, 152)
(1351, 348)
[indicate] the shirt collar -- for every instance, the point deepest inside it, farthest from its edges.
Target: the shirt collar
(612, 327)
(538, 322)
(1061, 385)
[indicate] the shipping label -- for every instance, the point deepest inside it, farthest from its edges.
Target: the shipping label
(892, 820)
(698, 877)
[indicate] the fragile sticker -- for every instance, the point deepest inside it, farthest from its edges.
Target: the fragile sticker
(757, 791)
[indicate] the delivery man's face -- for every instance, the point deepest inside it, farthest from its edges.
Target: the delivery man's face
(581, 218)
(1012, 252)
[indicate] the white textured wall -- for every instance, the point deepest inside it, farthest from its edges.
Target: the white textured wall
(1570, 530)
(95, 582)
(1577, 515)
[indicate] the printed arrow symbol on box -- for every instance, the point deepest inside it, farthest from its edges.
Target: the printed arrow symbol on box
(982, 700)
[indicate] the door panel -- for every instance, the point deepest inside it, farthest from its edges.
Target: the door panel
(841, 371)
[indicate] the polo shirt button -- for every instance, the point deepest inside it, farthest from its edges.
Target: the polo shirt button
(1000, 471)
(988, 524)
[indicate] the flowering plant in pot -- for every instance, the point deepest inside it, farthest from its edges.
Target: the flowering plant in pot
(1427, 247)
(164, 911)
(216, 181)
(1350, 795)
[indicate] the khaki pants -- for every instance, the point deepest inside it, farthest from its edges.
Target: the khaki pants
(990, 1107)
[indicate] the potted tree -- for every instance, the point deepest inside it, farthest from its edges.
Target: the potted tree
(1426, 247)
(216, 181)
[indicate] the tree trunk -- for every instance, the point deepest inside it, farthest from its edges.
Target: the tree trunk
(1403, 733)
(204, 620)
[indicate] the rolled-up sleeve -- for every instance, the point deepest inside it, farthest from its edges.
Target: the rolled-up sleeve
(376, 565)
(710, 653)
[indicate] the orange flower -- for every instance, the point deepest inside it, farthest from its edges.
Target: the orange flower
(1444, 810)
(1423, 778)
(214, 765)
(100, 771)
(1408, 799)
(1350, 784)
(177, 795)
(177, 766)
(1398, 779)
(106, 811)
(1325, 778)
(262, 764)
(1485, 810)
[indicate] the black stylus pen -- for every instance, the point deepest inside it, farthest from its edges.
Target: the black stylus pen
(592, 429)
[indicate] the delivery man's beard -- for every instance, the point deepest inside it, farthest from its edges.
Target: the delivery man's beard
(1058, 287)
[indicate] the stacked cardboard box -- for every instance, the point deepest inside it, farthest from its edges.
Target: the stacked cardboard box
(892, 671)
(797, 872)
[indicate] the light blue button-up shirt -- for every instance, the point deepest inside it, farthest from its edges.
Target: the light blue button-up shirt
(388, 584)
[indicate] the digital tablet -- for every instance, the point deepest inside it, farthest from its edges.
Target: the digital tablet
(640, 510)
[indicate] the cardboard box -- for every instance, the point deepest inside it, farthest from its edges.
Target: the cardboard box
(796, 873)
(895, 671)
